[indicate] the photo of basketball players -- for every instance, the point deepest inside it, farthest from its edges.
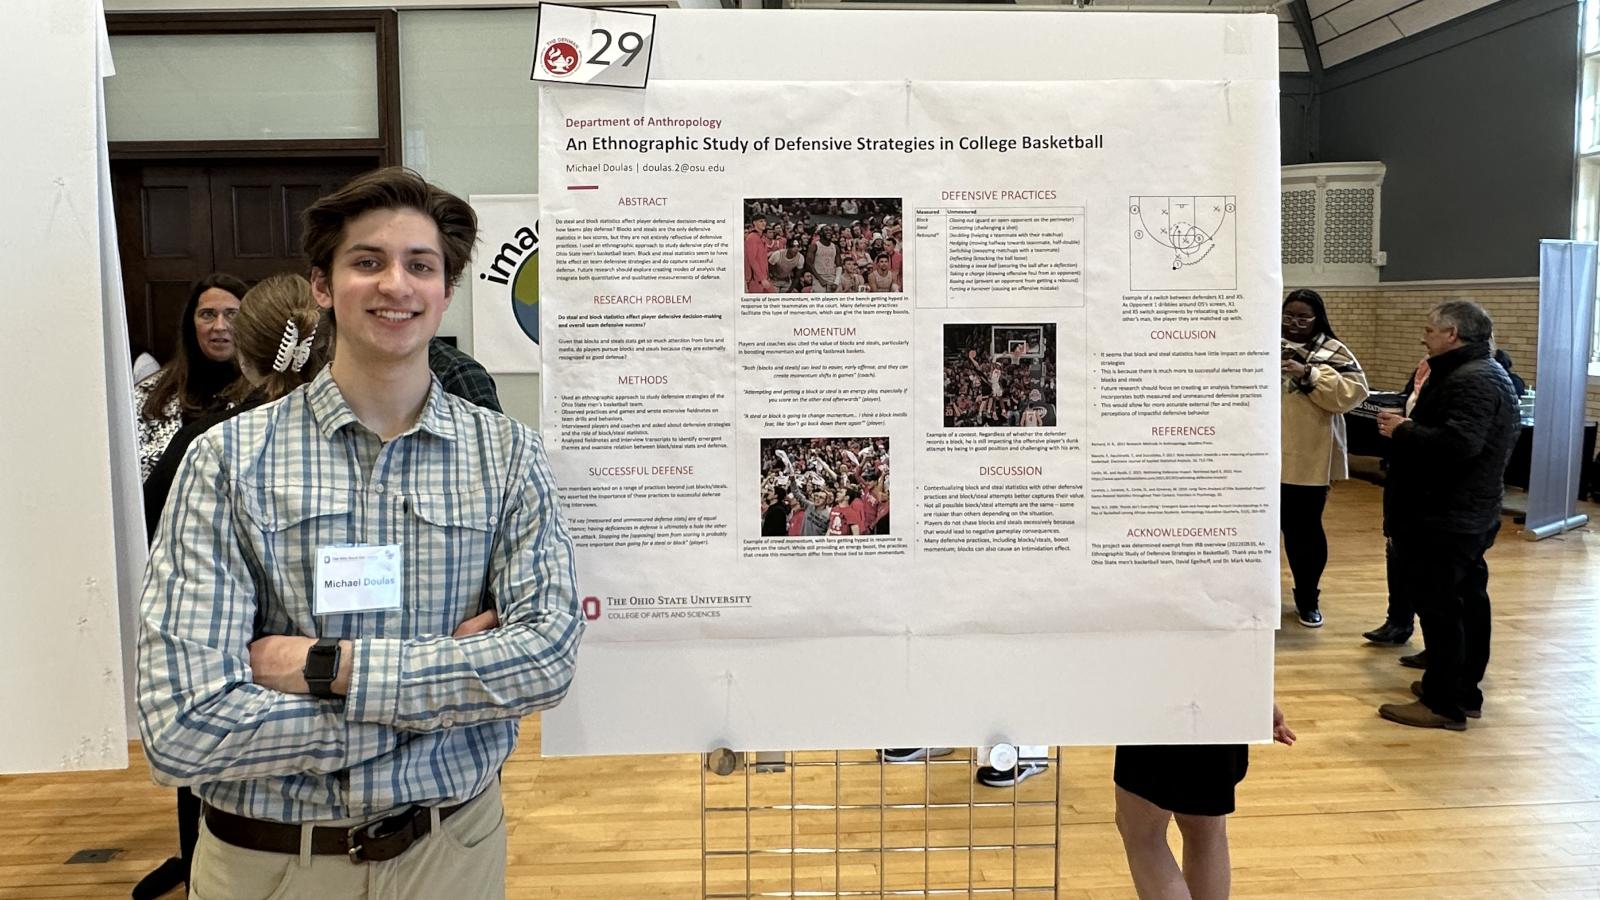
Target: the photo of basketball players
(824, 246)
(824, 487)
(1000, 376)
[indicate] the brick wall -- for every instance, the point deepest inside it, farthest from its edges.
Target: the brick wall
(1382, 325)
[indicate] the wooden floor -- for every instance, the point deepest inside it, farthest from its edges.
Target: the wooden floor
(1359, 809)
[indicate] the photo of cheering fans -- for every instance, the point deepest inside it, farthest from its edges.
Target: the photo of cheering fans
(824, 246)
(1000, 376)
(824, 487)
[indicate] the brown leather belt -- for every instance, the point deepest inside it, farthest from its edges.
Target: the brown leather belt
(374, 841)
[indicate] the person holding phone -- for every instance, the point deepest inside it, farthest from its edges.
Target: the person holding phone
(1321, 382)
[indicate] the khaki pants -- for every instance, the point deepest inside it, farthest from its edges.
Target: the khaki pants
(463, 858)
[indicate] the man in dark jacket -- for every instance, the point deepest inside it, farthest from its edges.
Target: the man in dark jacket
(1441, 507)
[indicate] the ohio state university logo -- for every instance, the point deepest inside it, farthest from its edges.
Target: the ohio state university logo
(560, 57)
(591, 608)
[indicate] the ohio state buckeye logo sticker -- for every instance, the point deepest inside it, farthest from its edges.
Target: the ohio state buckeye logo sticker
(560, 57)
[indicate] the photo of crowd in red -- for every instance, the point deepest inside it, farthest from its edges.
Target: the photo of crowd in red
(824, 246)
(824, 487)
(1000, 376)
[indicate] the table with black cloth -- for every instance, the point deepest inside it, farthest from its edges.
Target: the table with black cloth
(1361, 427)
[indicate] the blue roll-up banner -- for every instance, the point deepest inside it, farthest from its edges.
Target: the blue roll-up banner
(1566, 309)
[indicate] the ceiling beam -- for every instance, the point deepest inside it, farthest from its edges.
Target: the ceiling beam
(1308, 39)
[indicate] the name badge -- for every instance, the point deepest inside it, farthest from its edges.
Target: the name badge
(356, 579)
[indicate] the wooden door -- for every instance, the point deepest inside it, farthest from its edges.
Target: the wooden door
(177, 223)
(255, 214)
(164, 235)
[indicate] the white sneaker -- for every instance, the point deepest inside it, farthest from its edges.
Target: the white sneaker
(912, 754)
(989, 776)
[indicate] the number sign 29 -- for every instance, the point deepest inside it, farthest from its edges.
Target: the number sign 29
(616, 53)
(624, 40)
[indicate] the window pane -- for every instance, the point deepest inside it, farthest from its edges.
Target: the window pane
(1591, 26)
(1588, 125)
(1586, 224)
(175, 87)
(1587, 221)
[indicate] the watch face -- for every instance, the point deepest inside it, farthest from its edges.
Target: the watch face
(322, 662)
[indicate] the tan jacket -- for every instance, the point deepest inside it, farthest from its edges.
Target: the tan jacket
(1313, 421)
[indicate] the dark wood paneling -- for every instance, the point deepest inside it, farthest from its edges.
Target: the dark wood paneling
(255, 212)
(245, 23)
(296, 197)
(388, 39)
(178, 223)
(164, 235)
(252, 223)
(167, 224)
(163, 303)
(288, 149)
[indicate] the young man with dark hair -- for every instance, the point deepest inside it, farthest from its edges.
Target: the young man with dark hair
(357, 592)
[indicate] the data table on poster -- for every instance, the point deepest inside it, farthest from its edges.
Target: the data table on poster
(986, 257)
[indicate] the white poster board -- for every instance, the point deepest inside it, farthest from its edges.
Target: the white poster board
(1038, 428)
(61, 684)
(505, 283)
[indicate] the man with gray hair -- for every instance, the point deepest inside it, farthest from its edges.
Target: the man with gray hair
(1441, 508)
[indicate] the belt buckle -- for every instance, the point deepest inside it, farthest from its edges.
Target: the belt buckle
(353, 836)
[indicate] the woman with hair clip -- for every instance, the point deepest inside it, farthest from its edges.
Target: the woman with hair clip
(1321, 382)
(280, 348)
(189, 385)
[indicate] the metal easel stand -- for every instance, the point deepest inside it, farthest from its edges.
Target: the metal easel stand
(843, 823)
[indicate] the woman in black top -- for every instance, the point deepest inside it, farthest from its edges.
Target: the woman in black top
(191, 383)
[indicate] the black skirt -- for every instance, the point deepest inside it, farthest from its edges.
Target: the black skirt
(1193, 779)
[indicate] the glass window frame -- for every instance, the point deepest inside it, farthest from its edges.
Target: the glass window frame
(385, 148)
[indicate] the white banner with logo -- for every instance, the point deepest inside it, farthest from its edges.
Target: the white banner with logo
(505, 283)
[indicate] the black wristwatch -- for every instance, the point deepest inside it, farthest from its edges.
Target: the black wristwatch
(322, 667)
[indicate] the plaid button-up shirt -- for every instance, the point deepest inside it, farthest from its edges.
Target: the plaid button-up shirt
(462, 375)
(467, 495)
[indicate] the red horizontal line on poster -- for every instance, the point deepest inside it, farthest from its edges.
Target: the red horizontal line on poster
(583, 187)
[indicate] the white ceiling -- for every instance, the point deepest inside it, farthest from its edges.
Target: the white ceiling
(1344, 29)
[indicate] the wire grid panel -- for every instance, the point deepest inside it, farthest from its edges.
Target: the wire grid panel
(846, 824)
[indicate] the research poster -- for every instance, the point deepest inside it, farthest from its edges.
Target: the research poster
(948, 358)
(918, 390)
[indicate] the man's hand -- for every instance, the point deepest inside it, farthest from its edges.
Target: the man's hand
(1281, 732)
(478, 624)
(1294, 369)
(278, 662)
(1389, 421)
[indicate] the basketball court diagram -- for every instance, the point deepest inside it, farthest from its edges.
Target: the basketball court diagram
(1182, 243)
